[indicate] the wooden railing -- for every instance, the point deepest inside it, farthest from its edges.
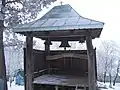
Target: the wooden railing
(46, 71)
(39, 73)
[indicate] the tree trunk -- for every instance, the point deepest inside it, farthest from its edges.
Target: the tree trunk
(116, 73)
(115, 79)
(2, 58)
(104, 76)
(110, 80)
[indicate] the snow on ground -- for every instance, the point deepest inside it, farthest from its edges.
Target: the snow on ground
(106, 86)
(100, 84)
(15, 87)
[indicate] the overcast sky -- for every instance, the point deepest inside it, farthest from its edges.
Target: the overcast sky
(107, 11)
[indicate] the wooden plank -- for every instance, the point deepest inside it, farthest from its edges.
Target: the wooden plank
(29, 63)
(91, 62)
(54, 57)
(61, 80)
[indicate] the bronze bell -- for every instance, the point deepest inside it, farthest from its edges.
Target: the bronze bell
(82, 40)
(64, 43)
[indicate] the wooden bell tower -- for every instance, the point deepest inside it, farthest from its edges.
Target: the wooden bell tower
(57, 70)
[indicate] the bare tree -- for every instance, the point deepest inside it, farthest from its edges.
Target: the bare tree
(112, 58)
(106, 55)
(13, 12)
(117, 72)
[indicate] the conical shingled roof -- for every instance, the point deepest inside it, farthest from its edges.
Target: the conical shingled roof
(62, 17)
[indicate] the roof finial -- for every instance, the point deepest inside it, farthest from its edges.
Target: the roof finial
(61, 2)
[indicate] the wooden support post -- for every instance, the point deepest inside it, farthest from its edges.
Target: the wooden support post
(56, 87)
(95, 64)
(47, 51)
(29, 63)
(85, 87)
(91, 62)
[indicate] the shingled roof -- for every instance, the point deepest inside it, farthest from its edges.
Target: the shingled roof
(62, 17)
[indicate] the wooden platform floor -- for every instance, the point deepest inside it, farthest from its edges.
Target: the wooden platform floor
(61, 80)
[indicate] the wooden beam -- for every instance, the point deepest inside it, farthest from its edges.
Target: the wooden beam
(69, 38)
(58, 33)
(54, 57)
(61, 38)
(29, 63)
(91, 62)
(63, 33)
